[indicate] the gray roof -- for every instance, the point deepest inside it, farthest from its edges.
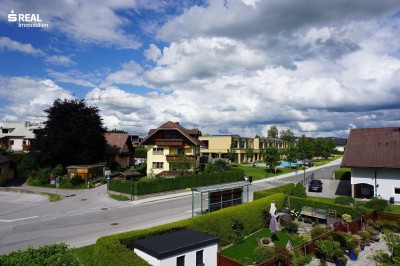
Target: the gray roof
(23, 130)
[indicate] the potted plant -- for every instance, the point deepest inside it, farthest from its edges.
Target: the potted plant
(341, 261)
(378, 225)
(366, 236)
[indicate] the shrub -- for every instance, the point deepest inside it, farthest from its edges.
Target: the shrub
(263, 253)
(54, 254)
(378, 205)
(299, 191)
(316, 232)
(155, 185)
(292, 227)
(282, 253)
(344, 200)
(76, 180)
(347, 218)
(237, 227)
(43, 175)
(364, 234)
(328, 249)
(287, 189)
(301, 260)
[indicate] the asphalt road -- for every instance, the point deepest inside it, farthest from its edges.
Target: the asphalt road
(29, 219)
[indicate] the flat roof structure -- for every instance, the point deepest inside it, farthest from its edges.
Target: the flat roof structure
(231, 200)
(170, 244)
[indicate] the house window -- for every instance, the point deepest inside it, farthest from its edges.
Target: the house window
(199, 258)
(158, 165)
(158, 151)
(180, 151)
(12, 142)
(180, 261)
(170, 136)
(397, 190)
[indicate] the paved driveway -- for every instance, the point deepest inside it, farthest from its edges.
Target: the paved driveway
(332, 189)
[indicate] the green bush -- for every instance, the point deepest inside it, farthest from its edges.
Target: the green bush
(54, 254)
(155, 185)
(292, 227)
(344, 200)
(43, 175)
(286, 189)
(299, 191)
(76, 180)
(263, 253)
(316, 232)
(217, 166)
(355, 212)
(378, 205)
(343, 174)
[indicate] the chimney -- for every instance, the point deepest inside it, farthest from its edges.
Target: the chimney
(177, 123)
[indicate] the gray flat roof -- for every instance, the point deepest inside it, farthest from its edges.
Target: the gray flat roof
(173, 243)
(221, 187)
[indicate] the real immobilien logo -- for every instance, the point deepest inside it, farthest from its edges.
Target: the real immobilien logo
(27, 20)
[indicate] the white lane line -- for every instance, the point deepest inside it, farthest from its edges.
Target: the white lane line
(20, 219)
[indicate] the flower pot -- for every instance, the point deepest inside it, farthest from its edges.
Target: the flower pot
(340, 263)
(352, 255)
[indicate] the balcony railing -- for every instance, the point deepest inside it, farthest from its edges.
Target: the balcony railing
(171, 158)
(169, 142)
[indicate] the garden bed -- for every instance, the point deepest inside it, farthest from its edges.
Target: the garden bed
(243, 251)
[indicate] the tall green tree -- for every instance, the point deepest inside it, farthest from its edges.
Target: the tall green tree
(271, 157)
(305, 148)
(287, 135)
(273, 132)
(182, 164)
(231, 154)
(73, 134)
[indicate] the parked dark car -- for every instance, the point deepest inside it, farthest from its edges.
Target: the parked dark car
(315, 185)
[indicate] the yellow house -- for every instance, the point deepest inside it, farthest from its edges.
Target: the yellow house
(4, 169)
(168, 143)
(217, 146)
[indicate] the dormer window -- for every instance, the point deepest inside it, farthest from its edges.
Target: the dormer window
(170, 136)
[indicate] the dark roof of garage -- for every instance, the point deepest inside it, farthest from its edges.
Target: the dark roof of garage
(170, 244)
(373, 148)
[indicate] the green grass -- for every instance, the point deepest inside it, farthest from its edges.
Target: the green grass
(243, 251)
(119, 197)
(85, 255)
(262, 172)
(393, 209)
(52, 197)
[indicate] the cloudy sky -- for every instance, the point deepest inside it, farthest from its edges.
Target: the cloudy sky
(317, 67)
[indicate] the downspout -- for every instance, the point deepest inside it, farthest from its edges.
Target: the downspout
(376, 189)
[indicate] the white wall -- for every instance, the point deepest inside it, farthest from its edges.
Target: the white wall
(17, 146)
(209, 257)
(387, 179)
(151, 260)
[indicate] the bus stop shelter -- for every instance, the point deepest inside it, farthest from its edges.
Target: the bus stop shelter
(221, 196)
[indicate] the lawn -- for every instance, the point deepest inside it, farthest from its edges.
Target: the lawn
(393, 209)
(85, 255)
(52, 197)
(261, 172)
(243, 251)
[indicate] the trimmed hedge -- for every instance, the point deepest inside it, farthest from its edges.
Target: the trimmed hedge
(147, 186)
(112, 250)
(286, 189)
(343, 174)
(355, 211)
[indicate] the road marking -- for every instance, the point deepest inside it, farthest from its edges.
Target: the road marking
(20, 219)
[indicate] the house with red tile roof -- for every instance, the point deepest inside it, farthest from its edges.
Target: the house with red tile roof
(120, 148)
(167, 144)
(373, 154)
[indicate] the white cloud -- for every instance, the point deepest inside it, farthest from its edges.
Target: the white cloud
(59, 60)
(29, 97)
(14, 46)
(129, 74)
(152, 53)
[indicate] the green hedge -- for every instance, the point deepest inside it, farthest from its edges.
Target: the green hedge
(343, 174)
(147, 186)
(112, 250)
(355, 211)
(286, 189)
